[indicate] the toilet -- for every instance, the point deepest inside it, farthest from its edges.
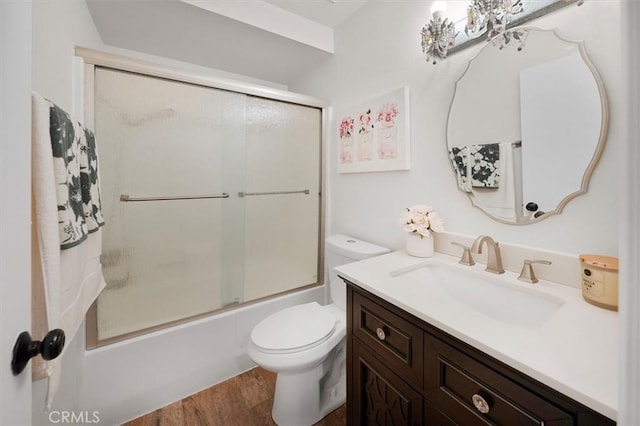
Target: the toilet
(306, 346)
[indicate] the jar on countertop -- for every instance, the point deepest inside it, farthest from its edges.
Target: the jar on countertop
(600, 280)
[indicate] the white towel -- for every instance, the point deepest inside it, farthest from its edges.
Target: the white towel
(67, 280)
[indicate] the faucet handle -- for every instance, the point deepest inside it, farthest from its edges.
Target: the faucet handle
(528, 274)
(466, 258)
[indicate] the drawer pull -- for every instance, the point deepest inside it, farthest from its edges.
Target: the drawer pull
(380, 333)
(480, 403)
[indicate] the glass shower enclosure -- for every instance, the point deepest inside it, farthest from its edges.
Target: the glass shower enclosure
(212, 198)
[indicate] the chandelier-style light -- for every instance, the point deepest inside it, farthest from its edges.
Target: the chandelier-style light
(438, 36)
(491, 16)
(513, 37)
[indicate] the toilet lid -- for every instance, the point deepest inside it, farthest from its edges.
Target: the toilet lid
(294, 329)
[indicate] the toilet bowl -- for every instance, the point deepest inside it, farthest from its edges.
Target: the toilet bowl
(305, 345)
(299, 360)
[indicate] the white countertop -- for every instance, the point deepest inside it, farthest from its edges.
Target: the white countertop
(574, 351)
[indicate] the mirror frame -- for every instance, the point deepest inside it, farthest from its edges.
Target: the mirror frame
(604, 129)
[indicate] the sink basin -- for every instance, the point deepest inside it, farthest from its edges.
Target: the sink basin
(492, 296)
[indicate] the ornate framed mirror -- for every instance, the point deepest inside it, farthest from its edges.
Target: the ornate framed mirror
(527, 124)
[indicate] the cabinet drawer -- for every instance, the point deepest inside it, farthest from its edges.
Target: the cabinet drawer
(396, 340)
(470, 393)
(381, 397)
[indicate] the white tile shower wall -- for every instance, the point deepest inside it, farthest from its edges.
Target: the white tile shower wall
(378, 50)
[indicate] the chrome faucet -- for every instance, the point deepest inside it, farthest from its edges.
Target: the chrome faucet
(494, 259)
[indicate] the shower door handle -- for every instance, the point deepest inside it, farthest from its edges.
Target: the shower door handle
(125, 198)
(26, 348)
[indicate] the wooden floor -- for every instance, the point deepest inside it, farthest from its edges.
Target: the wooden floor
(243, 400)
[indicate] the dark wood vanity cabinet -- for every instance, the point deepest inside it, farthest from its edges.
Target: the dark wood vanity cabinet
(403, 371)
(384, 398)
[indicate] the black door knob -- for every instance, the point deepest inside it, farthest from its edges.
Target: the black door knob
(26, 348)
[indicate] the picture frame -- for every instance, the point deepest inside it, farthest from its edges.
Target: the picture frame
(374, 136)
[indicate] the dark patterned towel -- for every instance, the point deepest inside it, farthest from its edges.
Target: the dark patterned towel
(485, 165)
(75, 166)
(459, 157)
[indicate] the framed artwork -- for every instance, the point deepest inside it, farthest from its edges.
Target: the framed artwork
(374, 135)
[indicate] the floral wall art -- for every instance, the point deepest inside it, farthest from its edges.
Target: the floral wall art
(374, 136)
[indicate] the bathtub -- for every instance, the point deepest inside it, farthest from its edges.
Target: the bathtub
(125, 380)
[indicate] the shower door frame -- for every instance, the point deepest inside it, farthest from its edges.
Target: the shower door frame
(89, 59)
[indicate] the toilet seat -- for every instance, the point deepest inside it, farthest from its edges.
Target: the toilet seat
(294, 329)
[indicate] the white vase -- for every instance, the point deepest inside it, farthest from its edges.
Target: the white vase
(419, 247)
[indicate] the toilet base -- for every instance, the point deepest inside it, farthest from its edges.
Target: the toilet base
(304, 398)
(297, 398)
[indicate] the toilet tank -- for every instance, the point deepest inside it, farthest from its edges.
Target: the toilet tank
(342, 249)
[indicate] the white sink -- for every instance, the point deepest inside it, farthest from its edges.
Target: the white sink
(493, 296)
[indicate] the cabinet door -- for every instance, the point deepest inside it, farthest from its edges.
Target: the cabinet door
(435, 417)
(390, 336)
(470, 393)
(380, 396)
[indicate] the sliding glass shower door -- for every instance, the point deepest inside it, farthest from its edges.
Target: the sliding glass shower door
(211, 199)
(281, 203)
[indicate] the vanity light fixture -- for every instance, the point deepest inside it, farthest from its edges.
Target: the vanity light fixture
(493, 17)
(483, 17)
(513, 37)
(438, 36)
(490, 16)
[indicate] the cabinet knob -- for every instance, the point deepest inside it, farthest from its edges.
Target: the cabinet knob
(480, 403)
(380, 333)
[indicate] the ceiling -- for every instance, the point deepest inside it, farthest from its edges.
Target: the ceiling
(272, 40)
(326, 12)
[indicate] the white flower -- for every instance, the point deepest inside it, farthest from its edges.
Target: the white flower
(422, 220)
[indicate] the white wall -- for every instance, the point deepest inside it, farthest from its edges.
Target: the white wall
(58, 26)
(61, 25)
(378, 50)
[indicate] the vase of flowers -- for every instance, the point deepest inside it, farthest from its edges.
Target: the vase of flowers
(420, 222)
